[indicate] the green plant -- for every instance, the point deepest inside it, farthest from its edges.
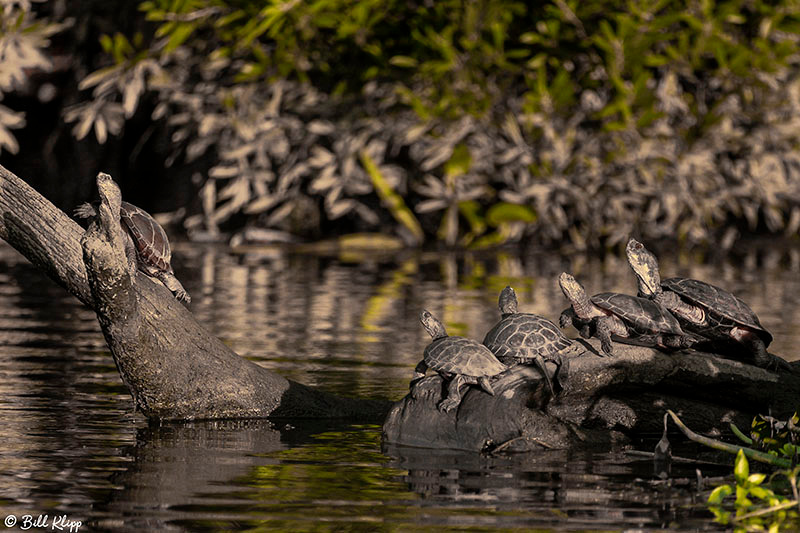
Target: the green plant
(595, 119)
(756, 506)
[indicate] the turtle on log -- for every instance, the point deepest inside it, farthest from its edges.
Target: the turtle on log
(146, 244)
(524, 338)
(702, 308)
(625, 316)
(457, 359)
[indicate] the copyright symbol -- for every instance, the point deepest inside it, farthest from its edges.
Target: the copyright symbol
(10, 520)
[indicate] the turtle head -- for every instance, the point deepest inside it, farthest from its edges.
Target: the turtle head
(110, 195)
(507, 301)
(570, 286)
(574, 292)
(434, 328)
(645, 266)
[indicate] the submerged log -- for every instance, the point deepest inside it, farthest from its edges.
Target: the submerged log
(174, 368)
(605, 400)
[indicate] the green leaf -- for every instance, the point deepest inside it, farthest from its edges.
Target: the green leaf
(403, 61)
(720, 515)
(741, 468)
(504, 212)
(393, 201)
(471, 210)
(719, 494)
(460, 162)
(181, 32)
(760, 492)
(495, 238)
(756, 479)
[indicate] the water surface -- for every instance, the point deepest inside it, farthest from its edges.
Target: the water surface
(347, 323)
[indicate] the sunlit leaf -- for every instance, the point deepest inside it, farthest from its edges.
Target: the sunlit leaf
(393, 201)
(719, 493)
(504, 212)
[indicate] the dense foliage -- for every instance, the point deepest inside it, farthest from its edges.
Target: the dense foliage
(475, 122)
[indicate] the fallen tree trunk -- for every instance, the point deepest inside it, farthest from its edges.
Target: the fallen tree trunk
(605, 400)
(173, 367)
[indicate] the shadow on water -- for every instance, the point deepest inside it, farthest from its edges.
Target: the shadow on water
(346, 323)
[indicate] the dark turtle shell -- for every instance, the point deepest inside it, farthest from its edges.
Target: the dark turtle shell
(148, 236)
(521, 332)
(459, 355)
(729, 309)
(641, 315)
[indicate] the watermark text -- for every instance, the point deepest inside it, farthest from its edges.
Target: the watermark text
(30, 522)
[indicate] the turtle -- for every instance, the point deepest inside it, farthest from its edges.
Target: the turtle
(146, 244)
(701, 307)
(623, 315)
(457, 359)
(524, 338)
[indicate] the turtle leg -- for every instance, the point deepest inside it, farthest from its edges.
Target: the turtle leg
(130, 254)
(171, 282)
(562, 373)
(453, 394)
(758, 349)
(764, 359)
(565, 319)
(677, 342)
(419, 373)
(85, 210)
(420, 370)
(483, 381)
(603, 332)
(540, 364)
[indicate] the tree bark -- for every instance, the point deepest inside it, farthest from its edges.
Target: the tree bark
(173, 367)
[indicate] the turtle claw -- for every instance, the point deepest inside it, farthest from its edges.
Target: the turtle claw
(420, 387)
(448, 404)
(605, 346)
(85, 210)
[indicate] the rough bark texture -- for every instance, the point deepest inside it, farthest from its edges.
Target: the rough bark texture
(605, 400)
(174, 368)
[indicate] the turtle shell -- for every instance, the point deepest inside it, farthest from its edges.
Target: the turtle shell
(719, 302)
(643, 316)
(459, 355)
(520, 332)
(152, 246)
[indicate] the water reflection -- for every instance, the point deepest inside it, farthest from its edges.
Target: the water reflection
(348, 324)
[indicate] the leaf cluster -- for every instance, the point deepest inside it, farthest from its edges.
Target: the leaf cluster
(23, 43)
(756, 506)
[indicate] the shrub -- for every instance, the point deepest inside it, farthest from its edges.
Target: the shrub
(479, 122)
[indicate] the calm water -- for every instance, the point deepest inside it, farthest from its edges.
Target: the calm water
(71, 444)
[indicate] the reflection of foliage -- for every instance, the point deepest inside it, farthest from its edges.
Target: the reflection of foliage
(595, 119)
(23, 40)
